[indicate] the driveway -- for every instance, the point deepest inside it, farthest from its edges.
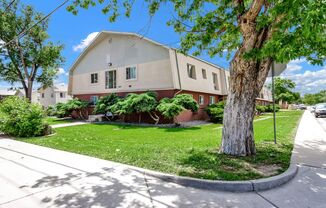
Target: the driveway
(32, 176)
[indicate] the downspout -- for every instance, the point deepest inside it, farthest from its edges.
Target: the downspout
(177, 64)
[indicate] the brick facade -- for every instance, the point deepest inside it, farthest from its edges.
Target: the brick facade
(183, 117)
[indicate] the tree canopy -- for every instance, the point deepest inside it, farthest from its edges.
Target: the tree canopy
(31, 56)
(289, 29)
(312, 99)
(284, 90)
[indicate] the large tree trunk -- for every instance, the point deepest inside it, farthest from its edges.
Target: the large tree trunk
(247, 79)
(29, 91)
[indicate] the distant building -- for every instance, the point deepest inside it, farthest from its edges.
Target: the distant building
(53, 95)
(6, 93)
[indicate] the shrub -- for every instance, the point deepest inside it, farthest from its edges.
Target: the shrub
(18, 117)
(51, 110)
(61, 110)
(215, 112)
(76, 105)
(104, 104)
(170, 108)
(186, 101)
(269, 108)
(261, 109)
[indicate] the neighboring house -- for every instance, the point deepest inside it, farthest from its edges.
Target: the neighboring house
(6, 93)
(53, 95)
(122, 63)
(265, 96)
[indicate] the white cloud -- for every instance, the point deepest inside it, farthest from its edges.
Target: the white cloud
(85, 42)
(61, 71)
(294, 65)
(309, 81)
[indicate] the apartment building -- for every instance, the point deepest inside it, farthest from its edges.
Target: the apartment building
(117, 62)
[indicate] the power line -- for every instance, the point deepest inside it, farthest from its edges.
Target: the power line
(23, 33)
(9, 5)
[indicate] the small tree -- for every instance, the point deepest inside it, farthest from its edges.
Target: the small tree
(104, 104)
(77, 105)
(146, 103)
(171, 108)
(31, 57)
(284, 90)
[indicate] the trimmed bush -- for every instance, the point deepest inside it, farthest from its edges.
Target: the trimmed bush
(20, 118)
(269, 108)
(104, 104)
(215, 112)
(261, 109)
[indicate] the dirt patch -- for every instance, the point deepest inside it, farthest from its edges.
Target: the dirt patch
(267, 170)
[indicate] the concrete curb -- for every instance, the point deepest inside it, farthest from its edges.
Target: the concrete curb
(233, 186)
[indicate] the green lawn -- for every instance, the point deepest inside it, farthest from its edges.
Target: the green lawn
(183, 151)
(55, 120)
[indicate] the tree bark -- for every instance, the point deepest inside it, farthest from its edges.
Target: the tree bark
(247, 80)
(29, 90)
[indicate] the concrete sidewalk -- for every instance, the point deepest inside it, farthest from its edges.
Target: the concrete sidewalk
(77, 123)
(32, 176)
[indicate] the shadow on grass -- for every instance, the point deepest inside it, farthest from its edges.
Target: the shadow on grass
(135, 126)
(209, 164)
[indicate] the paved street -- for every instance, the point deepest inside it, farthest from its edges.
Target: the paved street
(33, 176)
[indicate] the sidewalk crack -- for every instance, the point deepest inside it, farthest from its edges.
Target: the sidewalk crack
(270, 202)
(148, 190)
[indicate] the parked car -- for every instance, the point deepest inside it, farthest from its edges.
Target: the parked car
(320, 110)
(312, 109)
(302, 107)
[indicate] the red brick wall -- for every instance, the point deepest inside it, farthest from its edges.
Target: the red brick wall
(183, 117)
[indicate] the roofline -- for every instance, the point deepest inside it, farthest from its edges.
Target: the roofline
(141, 37)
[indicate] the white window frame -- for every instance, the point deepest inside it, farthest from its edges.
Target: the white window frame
(93, 75)
(212, 101)
(93, 102)
(136, 73)
(107, 79)
(216, 81)
(189, 68)
(201, 99)
(63, 95)
(204, 72)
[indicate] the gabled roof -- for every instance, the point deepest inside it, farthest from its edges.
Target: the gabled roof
(6, 92)
(103, 34)
(56, 88)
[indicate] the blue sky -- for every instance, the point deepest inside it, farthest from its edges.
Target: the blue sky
(75, 32)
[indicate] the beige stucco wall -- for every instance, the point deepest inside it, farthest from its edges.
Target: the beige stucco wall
(152, 62)
(49, 100)
(199, 84)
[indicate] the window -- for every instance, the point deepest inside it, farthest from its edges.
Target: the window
(204, 73)
(42, 95)
(62, 95)
(94, 78)
(52, 95)
(111, 79)
(131, 73)
(211, 100)
(201, 99)
(191, 71)
(93, 100)
(215, 81)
